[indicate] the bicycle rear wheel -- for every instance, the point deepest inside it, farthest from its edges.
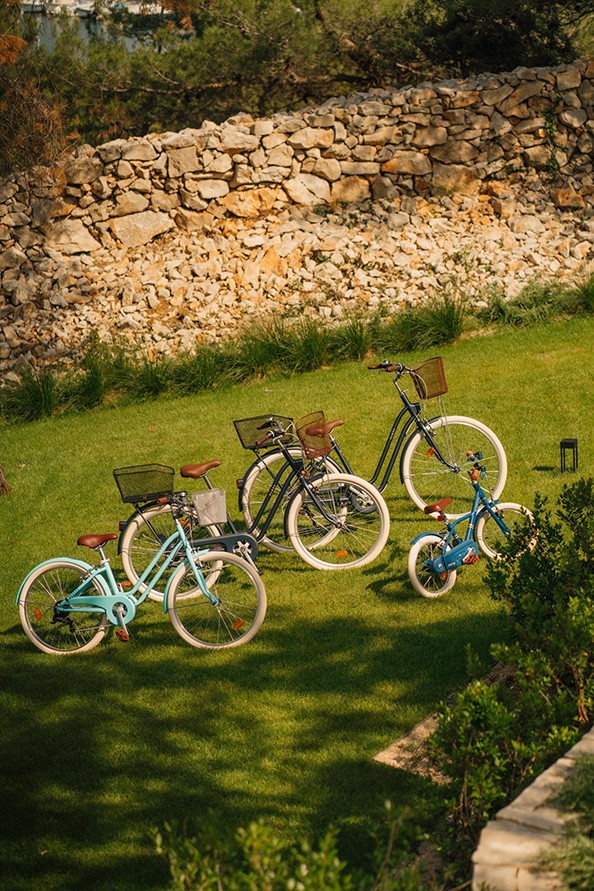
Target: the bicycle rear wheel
(520, 528)
(56, 631)
(428, 480)
(144, 534)
(357, 531)
(268, 475)
(423, 577)
(239, 608)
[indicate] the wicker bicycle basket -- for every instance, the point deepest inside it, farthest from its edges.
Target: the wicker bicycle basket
(314, 442)
(146, 482)
(210, 507)
(252, 431)
(429, 378)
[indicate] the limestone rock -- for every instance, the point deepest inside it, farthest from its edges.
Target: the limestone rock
(83, 170)
(71, 237)
(251, 203)
(351, 189)
(308, 189)
(140, 228)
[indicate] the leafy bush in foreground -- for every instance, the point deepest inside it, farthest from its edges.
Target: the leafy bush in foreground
(496, 737)
(256, 859)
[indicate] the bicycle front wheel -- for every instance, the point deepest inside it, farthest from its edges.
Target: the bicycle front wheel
(143, 536)
(238, 604)
(54, 630)
(264, 479)
(423, 577)
(356, 532)
(427, 479)
(519, 528)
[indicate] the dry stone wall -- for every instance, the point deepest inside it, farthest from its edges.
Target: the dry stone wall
(373, 199)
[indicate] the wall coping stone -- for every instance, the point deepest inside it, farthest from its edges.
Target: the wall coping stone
(512, 844)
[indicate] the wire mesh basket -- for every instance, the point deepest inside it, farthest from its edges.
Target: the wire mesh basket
(210, 506)
(310, 431)
(252, 431)
(145, 482)
(429, 378)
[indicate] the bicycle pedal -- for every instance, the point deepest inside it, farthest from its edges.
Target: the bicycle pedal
(471, 559)
(122, 635)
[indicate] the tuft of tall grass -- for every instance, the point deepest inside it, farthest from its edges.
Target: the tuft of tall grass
(307, 346)
(581, 298)
(354, 338)
(439, 321)
(104, 369)
(196, 371)
(261, 349)
(537, 302)
(38, 395)
(150, 378)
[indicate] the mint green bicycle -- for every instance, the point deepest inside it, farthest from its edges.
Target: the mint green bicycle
(215, 599)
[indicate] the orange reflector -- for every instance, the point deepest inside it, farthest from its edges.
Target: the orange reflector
(37, 613)
(430, 453)
(126, 584)
(342, 553)
(443, 575)
(239, 624)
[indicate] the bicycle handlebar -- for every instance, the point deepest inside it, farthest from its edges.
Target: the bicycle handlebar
(385, 365)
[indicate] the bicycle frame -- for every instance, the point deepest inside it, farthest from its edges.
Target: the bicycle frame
(458, 550)
(120, 606)
(413, 409)
(295, 477)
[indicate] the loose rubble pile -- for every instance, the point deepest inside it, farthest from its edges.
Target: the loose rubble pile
(371, 201)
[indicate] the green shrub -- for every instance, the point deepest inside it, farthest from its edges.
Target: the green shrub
(256, 859)
(495, 737)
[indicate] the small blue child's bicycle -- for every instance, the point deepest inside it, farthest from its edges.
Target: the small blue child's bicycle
(434, 558)
(215, 598)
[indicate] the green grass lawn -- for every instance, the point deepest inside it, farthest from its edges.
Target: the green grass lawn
(99, 748)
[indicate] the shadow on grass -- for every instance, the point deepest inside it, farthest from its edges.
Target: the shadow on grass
(99, 748)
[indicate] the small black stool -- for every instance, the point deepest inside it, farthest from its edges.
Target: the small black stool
(569, 445)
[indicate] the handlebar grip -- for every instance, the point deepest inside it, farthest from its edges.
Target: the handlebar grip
(386, 366)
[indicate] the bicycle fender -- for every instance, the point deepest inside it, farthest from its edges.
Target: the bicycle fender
(79, 563)
(125, 523)
(424, 535)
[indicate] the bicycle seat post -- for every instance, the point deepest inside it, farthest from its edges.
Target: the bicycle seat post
(104, 558)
